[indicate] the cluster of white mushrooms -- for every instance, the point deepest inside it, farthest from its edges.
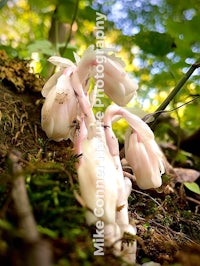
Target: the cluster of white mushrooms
(67, 113)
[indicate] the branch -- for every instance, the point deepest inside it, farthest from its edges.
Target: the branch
(173, 93)
(71, 25)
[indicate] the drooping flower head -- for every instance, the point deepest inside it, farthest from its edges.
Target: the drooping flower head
(99, 64)
(118, 86)
(60, 107)
(141, 150)
(67, 89)
(145, 158)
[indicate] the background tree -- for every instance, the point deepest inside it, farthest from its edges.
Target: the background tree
(158, 39)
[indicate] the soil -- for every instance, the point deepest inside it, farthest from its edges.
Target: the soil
(167, 219)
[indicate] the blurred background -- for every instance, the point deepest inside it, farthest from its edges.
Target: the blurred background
(158, 40)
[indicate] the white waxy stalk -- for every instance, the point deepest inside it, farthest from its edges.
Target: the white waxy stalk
(83, 100)
(78, 136)
(113, 147)
(122, 217)
(129, 249)
(97, 173)
(113, 235)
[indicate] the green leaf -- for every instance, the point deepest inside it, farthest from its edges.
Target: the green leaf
(39, 5)
(194, 187)
(47, 231)
(41, 46)
(68, 53)
(87, 13)
(155, 43)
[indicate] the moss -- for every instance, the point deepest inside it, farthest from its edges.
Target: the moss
(165, 222)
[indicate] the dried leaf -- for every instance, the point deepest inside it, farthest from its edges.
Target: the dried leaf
(186, 175)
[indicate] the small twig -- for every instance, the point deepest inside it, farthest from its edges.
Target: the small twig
(173, 232)
(71, 25)
(193, 200)
(174, 92)
(146, 117)
(166, 228)
(147, 195)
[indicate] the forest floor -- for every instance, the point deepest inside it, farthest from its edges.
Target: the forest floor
(167, 219)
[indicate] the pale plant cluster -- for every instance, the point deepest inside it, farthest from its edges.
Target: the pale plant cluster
(67, 113)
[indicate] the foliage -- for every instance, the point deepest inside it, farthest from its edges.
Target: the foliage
(157, 39)
(194, 187)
